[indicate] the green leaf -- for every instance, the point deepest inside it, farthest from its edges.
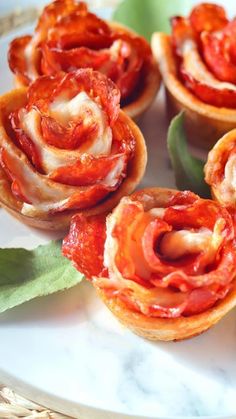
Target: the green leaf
(188, 170)
(26, 274)
(148, 16)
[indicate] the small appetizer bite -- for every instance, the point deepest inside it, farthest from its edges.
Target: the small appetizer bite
(220, 170)
(198, 66)
(163, 261)
(68, 37)
(66, 146)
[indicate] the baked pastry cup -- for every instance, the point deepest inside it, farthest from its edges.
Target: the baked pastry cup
(66, 146)
(197, 77)
(220, 170)
(163, 262)
(69, 37)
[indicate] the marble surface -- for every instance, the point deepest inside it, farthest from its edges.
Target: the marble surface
(68, 352)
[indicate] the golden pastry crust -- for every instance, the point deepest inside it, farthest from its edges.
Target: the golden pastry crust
(205, 124)
(166, 329)
(148, 92)
(60, 221)
(169, 329)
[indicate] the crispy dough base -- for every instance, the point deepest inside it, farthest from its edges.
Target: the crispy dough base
(205, 124)
(147, 94)
(169, 329)
(60, 221)
(162, 328)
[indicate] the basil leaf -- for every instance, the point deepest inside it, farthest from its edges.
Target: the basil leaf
(148, 16)
(188, 170)
(27, 274)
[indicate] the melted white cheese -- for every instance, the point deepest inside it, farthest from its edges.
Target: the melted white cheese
(64, 110)
(40, 209)
(179, 243)
(30, 54)
(115, 49)
(228, 186)
(111, 243)
(157, 212)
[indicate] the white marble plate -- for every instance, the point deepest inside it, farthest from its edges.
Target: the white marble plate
(69, 353)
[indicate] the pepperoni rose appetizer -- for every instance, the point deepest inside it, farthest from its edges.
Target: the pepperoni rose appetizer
(66, 146)
(164, 261)
(198, 65)
(68, 37)
(220, 170)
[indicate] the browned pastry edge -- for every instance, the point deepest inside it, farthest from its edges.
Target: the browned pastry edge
(163, 328)
(169, 329)
(147, 94)
(205, 124)
(60, 221)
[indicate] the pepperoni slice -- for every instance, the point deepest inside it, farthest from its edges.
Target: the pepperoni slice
(219, 171)
(121, 61)
(202, 299)
(41, 91)
(84, 244)
(80, 28)
(183, 198)
(152, 234)
(54, 12)
(56, 59)
(132, 52)
(90, 170)
(208, 94)
(15, 185)
(68, 137)
(16, 57)
(91, 82)
(123, 139)
(208, 17)
(181, 31)
(123, 233)
(202, 211)
(217, 55)
(24, 142)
